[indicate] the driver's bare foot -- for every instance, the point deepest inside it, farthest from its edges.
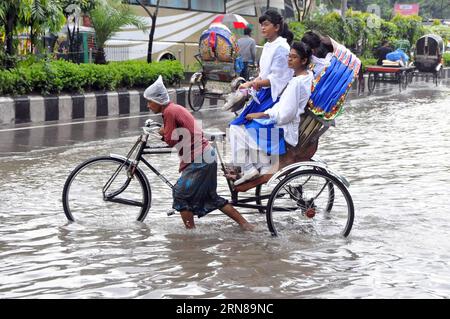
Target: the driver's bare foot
(247, 227)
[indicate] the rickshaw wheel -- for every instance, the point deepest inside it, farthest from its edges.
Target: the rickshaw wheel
(404, 80)
(439, 76)
(196, 95)
(292, 201)
(410, 77)
(371, 83)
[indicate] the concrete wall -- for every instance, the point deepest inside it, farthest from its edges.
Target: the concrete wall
(27, 109)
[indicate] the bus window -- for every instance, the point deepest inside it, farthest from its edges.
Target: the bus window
(284, 7)
(242, 7)
(208, 5)
(180, 4)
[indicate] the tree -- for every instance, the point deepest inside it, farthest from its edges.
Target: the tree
(409, 27)
(72, 9)
(107, 18)
(386, 6)
(153, 16)
(343, 7)
(434, 8)
(330, 24)
(42, 15)
(303, 8)
(11, 12)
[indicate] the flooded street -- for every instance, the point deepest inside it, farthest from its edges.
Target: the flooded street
(394, 150)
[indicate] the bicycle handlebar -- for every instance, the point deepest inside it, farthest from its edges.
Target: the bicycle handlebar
(151, 126)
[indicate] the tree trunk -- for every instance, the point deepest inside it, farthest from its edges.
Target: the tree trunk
(32, 37)
(343, 8)
(72, 40)
(9, 31)
(297, 8)
(100, 56)
(152, 30)
(150, 39)
(308, 5)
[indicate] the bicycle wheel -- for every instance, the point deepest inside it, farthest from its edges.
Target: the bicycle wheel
(404, 80)
(196, 95)
(304, 202)
(410, 77)
(371, 82)
(83, 198)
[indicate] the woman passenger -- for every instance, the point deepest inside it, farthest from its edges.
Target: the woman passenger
(273, 77)
(276, 126)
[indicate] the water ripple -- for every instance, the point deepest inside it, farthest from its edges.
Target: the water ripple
(393, 150)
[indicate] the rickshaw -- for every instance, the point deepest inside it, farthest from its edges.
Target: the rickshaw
(428, 57)
(304, 196)
(219, 76)
(401, 75)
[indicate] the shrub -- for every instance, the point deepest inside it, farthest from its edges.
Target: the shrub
(447, 59)
(53, 77)
(298, 28)
(367, 61)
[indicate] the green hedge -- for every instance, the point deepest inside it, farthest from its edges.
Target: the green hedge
(61, 76)
(367, 61)
(447, 59)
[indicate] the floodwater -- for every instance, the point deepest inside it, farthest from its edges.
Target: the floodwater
(394, 150)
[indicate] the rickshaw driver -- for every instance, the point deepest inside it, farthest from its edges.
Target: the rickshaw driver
(195, 192)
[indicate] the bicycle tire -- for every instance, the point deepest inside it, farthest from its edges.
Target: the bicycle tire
(290, 214)
(371, 82)
(75, 208)
(196, 101)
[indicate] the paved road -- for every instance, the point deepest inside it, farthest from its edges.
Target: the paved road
(29, 137)
(25, 138)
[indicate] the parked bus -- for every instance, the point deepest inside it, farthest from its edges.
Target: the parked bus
(179, 25)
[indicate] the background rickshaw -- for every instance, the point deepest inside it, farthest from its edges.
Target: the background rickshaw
(428, 57)
(392, 72)
(219, 74)
(401, 75)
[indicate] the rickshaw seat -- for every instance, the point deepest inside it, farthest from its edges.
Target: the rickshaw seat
(219, 71)
(311, 129)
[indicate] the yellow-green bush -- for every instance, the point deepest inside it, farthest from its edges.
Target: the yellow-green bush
(447, 59)
(61, 76)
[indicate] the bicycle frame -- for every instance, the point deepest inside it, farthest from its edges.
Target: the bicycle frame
(144, 149)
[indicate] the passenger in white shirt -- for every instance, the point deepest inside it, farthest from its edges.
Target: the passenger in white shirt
(281, 122)
(273, 77)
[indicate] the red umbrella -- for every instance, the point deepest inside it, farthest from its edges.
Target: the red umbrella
(231, 20)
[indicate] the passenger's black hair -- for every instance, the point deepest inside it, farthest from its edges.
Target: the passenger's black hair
(276, 18)
(247, 31)
(323, 50)
(287, 34)
(303, 50)
(312, 39)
